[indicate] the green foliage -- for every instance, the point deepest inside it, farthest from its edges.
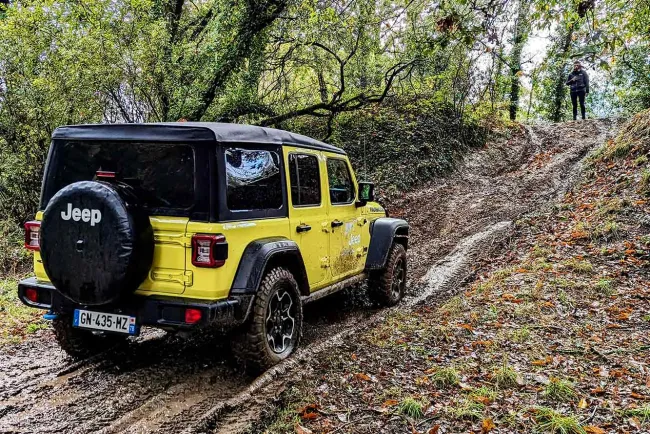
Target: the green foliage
(16, 319)
(14, 259)
(411, 407)
(559, 390)
(468, 409)
(604, 287)
(504, 376)
(406, 142)
(446, 377)
(552, 422)
(642, 413)
(483, 393)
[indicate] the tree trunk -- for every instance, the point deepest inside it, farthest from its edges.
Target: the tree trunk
(559, 72)
(519, 40)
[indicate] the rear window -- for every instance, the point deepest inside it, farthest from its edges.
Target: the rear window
(253, 180)
(163, 174)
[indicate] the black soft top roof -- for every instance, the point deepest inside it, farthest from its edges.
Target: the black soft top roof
(190, 132)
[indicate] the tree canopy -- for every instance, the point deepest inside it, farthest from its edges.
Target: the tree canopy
(301, 64)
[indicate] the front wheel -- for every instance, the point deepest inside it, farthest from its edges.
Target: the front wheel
(387, 287)
(78, 343)
(274, 330)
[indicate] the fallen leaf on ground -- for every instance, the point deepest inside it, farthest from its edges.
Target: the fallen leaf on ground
(543, 362)
(487, 425)
(638, 396)
(590, 429)
(597, 391)
(309, 411)
(302, 430)
(361, 376)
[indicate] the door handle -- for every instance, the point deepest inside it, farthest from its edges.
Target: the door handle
(337, 223)
(303, 228)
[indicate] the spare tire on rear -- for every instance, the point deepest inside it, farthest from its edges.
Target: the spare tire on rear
(96, 242)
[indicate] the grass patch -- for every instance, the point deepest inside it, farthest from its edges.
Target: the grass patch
(520, 335)
(581, 266)
(540, 252)
(550, 421)
(288, 415)
(559, 390)
(641, 413)
(640, 161)
(446, 377)
(619, 149)
(411, 407)
(483, 395)
(604, 287)
(17, 321)
(468, 409)
(504, 376)
(454, 305)
(644, 184)
(609, 231)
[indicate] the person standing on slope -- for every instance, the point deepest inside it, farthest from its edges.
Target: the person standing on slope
(579, 82)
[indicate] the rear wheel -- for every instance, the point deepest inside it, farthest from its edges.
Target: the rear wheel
(274, 330)
(80, 343)
(387, 287)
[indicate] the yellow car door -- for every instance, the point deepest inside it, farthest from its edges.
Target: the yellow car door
(308, 212)
(347, 254)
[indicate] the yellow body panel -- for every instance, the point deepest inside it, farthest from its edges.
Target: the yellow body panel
(215, 283)
(347, 252)
(329, 254)
(314, 244)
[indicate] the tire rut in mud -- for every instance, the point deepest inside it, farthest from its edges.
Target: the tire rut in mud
(160, 383)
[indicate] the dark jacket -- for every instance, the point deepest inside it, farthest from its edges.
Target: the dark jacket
(580, 83)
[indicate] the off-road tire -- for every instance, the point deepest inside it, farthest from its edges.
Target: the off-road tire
(80, 344)
(251, 346)
(387, 287)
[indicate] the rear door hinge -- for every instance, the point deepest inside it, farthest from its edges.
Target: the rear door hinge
(185, 278)
(166, 238)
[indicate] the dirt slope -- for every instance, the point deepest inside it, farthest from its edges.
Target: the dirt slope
(162, 383)
(550, 336)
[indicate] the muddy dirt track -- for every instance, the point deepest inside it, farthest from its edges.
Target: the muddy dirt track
(165, 383)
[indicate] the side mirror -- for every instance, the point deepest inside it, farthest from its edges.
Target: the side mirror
(366, 193)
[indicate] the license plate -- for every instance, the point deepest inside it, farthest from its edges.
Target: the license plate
(110, 322)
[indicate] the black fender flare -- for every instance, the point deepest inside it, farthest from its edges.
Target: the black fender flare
(383, 232)
(265, 252)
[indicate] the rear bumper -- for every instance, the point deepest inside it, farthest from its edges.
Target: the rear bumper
(163, 312)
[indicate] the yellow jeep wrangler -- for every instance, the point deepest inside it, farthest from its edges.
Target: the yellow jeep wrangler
(185, 225)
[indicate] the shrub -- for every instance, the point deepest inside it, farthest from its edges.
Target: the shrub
(14, 259)
(403, 143)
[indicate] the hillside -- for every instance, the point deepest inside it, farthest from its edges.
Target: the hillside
(549, 333)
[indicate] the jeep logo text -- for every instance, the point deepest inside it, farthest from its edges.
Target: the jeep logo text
(86, 215)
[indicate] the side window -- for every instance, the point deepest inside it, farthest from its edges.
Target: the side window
(340, 181)
(305, 180)
(253, 180)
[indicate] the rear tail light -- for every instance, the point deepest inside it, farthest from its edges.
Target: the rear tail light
(192, 316)
(31, 294)
(33, 235)
(209, 250)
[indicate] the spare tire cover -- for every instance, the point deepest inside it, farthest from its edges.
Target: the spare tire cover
(95, 247)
